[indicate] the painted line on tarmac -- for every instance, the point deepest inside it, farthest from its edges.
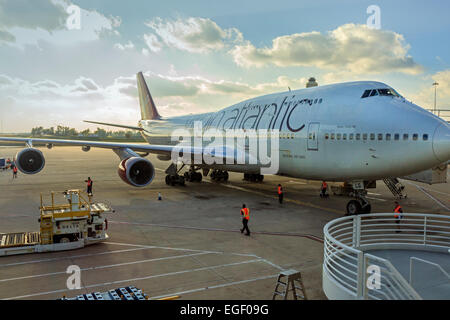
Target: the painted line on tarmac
(136, 279)
(373, 198)
(71, 257)
(286, 234)
(431, 197)
(302, 203)
(105, 266)
(306, 204)
(216, 286)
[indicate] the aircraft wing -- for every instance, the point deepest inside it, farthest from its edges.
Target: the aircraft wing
(162, 149)
(220, 152)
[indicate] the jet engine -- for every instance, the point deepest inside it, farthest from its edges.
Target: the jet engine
(136, 171)
(30, 160)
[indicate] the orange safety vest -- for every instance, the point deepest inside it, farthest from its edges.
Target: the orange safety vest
(246, 213)
(397, 211)
(324, 185)
(280, 190)
(15, 169)
(89, 183)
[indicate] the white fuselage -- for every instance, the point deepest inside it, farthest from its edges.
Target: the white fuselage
(330, 132)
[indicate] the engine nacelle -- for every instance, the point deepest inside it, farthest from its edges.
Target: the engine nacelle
(30, 161)
(136, 171)
(86, 148)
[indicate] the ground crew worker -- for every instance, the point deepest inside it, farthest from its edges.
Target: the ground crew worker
(280, 193)
(89, 186)
(398, 214)
(245, 213)
(324, 187)
(15, 172)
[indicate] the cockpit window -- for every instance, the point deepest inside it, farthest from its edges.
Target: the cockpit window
(382, 92)
(366, 94)
(387, 92)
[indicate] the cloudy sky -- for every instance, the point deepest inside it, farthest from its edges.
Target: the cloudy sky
(201, 56)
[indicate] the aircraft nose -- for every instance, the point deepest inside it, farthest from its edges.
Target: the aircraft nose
(441, 142)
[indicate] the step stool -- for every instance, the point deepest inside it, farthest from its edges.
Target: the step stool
(290, 280)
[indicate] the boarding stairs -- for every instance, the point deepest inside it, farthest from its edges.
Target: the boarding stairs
(396, 187)
(290, 281)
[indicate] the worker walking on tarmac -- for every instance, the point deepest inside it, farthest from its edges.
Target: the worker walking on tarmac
(89, 186)
(245, 213)
(398, 215)
(15, 172)
(280, 193)
(323, 193)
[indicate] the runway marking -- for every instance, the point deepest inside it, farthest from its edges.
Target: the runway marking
(306, 204)
(216, 286)
(136, 279)
(71, 257)
(106, 266)
(287, 234)
(431, 197)
(373, 193)
(373, 198)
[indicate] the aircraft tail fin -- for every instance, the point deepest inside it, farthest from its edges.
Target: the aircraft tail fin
(148, 108)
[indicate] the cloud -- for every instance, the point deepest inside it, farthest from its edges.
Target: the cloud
(30, 14)
(199, 35)
(152, 43)
(25, 22)
(356, 48)
(425, 97)
(128, 45)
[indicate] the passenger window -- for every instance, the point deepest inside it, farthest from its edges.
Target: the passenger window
(396, 136)
(332, 136)
(374, 93)
(364, 136)
(388, 136)
(380, 136)
(425, 137)
(338, 136)
(358, 136)
(344, 136)
(372, 136)
(415, 136)
(326, 136)
(350, 136)
(365, 94)
(405, 136)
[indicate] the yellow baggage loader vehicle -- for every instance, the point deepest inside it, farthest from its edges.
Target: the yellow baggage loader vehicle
(67, 226)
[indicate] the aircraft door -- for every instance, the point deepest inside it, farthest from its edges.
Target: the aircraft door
(313, 136)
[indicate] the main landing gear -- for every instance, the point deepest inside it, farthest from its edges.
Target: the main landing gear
(192, 175)
(253, 177)
(219, 175)
(172, 177)
(360, 204)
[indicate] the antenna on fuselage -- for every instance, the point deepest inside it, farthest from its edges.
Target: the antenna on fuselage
(289, 89)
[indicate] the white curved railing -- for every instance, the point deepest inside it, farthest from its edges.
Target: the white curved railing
(345, 262)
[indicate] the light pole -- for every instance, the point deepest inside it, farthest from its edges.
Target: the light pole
(435, 84)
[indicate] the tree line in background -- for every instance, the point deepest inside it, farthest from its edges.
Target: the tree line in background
(62, 131)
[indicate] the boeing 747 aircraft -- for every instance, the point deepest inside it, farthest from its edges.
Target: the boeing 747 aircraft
(355, 132)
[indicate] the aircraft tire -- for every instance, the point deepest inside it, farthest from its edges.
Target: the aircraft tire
(353, 207)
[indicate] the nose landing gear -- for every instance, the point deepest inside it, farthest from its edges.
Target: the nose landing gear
(360, 205)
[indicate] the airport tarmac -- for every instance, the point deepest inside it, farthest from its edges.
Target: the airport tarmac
(187, 244)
